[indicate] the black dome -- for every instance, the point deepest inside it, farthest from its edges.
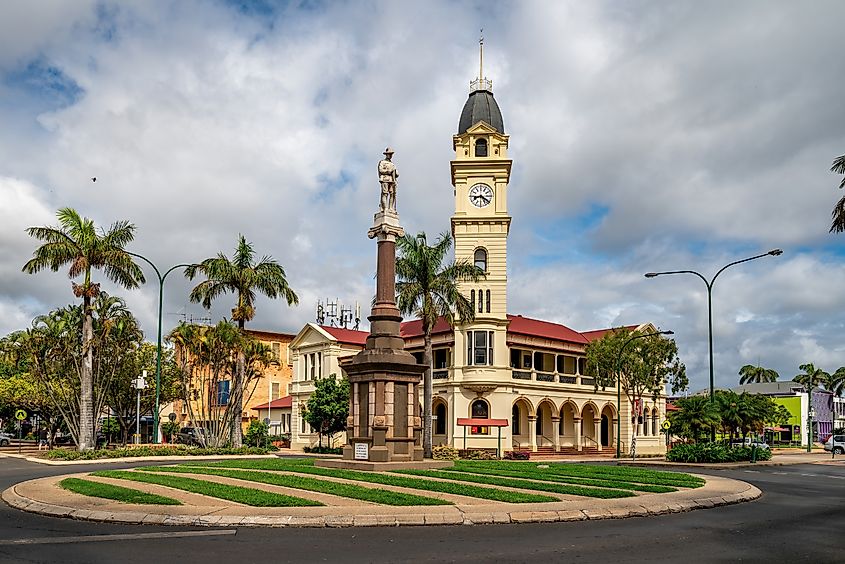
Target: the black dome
(481, 106)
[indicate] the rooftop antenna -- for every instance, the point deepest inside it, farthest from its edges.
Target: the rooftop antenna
(481, 54)
(481, 83)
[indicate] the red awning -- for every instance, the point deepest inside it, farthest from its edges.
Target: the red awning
(469, 422)
(778, 429)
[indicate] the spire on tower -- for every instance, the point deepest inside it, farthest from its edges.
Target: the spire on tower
(481, 83)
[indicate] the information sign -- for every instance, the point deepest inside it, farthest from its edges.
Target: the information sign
(362, 451)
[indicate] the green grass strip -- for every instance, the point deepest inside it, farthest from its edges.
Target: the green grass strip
(600, 483)
(390, 480)
(601, 493)
(626, 474)
(238, 494)
(310, 484)
(117, 493)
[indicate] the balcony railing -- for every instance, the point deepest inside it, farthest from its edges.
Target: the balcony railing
(567, 379)
(588, 381)
(439, 374)
(545, 377)
(521, 375)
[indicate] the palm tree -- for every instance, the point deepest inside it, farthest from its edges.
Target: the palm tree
(243, 277)
(836, 381)
(812, 377)
(696, 413)
(837, 224)
(78, 242)
(757, 374)
(429, 290)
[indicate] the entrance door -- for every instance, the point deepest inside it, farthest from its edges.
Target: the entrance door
(605, 431)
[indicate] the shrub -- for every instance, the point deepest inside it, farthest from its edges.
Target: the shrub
(62, 454)
(169, 429)
(711, 452)
(517, 455)
(444, 452)
(257, 434)
(477, 454)
(323, 450)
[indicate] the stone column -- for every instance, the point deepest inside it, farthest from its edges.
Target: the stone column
(598, 433)
(556, 432)
(532, 432)
(578, 444)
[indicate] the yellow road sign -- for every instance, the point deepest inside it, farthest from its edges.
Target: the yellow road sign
(20, 415)
(666, 425)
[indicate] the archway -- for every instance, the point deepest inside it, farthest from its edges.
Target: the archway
(568, 412)
(440, 420)
(589, 416)
(520, 433)
(544, 426)
(608, 426)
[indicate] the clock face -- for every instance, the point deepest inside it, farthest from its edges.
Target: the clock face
(480, 195)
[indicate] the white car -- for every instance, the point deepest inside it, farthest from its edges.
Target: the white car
(5, 439)
(749, 442)
(836, 443)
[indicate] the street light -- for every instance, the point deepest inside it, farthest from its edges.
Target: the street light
(811, 413)
(773, 253)
(161, 278)
(619, 386)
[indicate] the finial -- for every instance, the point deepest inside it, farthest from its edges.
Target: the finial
(481, 83)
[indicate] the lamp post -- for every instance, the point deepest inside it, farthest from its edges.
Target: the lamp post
(811, 413)
(619, 386)
(709, 284)
(161, 278)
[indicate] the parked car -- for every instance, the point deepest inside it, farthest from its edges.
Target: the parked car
(5, 439)
(836, 443)
(191, 436)
(750, 442)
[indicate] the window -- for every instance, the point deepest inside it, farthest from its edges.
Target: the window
(441, 358)
(515, 420)
(487, 292)
(472, 299)
(440, 419)
(480, 410)
(479, 348)
(275, 389)
(481, 148)
(480, 258)
(480, 300)
(277, 351)
(223, 392)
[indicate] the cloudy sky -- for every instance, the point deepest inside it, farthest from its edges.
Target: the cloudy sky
(645, 136)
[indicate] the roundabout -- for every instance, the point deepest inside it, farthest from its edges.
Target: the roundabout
(274, 493)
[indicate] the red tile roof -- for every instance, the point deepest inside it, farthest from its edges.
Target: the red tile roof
(546, 329)
(599, 333)
(414, 328)
(347, 336)
(280, 403)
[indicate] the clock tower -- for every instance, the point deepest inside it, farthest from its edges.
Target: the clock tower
(480, 175)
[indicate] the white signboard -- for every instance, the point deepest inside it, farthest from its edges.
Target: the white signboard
(362, 451)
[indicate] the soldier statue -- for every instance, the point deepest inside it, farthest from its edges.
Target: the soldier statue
(387, 176)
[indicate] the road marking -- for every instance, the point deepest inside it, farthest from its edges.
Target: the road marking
(119, 537)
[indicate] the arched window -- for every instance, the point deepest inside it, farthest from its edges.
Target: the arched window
(472, 299)
(480, 258)
(480, 409)
(440, 414)
(487, 292)
(515, 419)
(480, 300)
(481, 147)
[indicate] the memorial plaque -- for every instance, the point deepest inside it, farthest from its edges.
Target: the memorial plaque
(362, 451)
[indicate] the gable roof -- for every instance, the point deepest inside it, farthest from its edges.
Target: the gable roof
(280, 403)
(347, 336)
(599, 333)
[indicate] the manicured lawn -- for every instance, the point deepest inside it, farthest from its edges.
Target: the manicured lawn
(311, 484)
(238, 494)
(117, 493)
(599, 483)
(592, 471)
(602, 493)
(391, 479)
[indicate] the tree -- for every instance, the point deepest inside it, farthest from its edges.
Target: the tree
(836, 381)
(694, 414)
(243, 277)
(428, 289)
(207, 358)
(812, 377)
(328, 407)
(757, 374)
(77, 241)
(646, 366)
(837, 224)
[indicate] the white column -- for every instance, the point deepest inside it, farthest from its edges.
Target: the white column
(598, 434)
(578, 434)
(556, 432)
(532, 432)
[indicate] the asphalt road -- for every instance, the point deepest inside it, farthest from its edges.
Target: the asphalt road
(800, 518)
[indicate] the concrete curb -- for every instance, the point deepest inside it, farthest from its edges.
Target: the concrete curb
(641, 506)
(138, 459)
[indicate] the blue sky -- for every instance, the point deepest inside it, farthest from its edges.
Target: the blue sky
(645, 136)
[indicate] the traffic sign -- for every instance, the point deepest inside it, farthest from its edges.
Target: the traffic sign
(666, 425)
(20, 415)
